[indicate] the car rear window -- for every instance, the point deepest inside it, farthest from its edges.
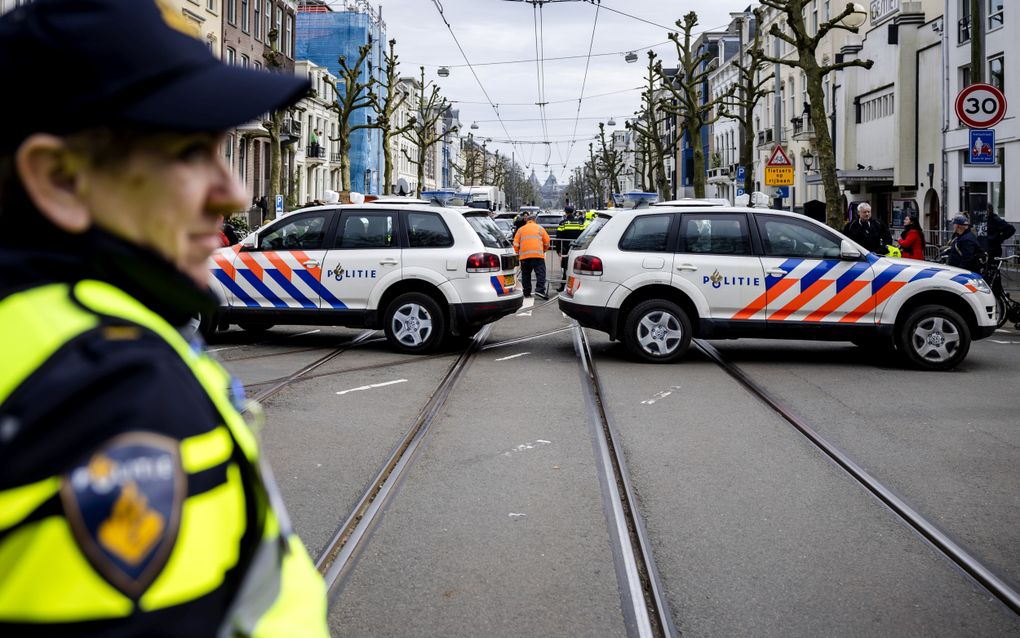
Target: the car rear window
(588, 234)
(487, 231)
(547, 220)
(427, 230)
(647, 233)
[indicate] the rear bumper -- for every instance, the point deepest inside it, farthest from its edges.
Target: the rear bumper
(481, 313)
(595, 317)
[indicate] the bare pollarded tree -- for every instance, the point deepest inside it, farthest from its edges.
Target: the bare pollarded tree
(429, 108)
(798, 35)
(354, 94)
(646, 125)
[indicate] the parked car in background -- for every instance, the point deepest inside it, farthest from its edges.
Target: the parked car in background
(550, 222)
(506, 225)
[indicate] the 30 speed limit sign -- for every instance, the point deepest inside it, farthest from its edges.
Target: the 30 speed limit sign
(980, 106)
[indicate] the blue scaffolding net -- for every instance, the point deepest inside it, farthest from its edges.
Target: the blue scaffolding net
(323, 37)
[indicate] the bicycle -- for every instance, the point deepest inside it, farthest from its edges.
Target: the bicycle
(1006, 308)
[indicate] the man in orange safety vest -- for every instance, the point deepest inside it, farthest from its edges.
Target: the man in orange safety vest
(531, 243)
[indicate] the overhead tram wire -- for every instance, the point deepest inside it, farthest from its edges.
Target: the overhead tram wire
(439, 8)
(584, 82)
(590, 97)
(555, 59)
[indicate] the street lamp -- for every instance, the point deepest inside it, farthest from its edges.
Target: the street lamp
(857, 18)
(443, 72)
(809, 161)
(631, 57)
(474, 125)
(611, 121)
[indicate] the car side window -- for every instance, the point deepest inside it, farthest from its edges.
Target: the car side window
(367, 230)
(427, 230)
(783, 237)
(647, 233)
(307, 232)
(715, 235)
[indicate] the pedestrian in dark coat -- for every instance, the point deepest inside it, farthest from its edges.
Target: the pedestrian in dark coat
(868, 232)
(998, 230)
(963, 250)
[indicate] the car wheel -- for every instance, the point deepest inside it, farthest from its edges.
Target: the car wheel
(414, 323)
(1000, 312)
(205, 325)
(934, 338)
(255, 327)
(657, 331)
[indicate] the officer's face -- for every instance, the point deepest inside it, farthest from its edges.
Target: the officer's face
(168, 196)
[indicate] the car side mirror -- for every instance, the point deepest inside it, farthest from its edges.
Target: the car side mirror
(848, 252)
(249, 243)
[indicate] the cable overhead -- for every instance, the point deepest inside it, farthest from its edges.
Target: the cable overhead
(558, 58)
(590, 97)
(584, 81)
(495, 109)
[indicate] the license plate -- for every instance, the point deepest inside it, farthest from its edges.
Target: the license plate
(508, 280)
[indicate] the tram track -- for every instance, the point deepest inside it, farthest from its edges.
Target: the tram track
(340, 555)
(935, 537)
(642, 594)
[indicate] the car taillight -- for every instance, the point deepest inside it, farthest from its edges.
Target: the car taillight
(587, 265)
(483, 262)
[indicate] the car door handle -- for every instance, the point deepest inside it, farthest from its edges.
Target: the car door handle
(389, 262)
(311, 264)
(776, 272)
(690, 267)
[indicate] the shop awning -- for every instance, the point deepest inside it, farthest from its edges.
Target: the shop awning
(864, 176)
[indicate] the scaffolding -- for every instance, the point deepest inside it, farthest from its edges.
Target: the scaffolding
(329, 29)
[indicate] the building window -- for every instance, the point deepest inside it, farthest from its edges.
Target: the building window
(288, 41)
(230, 56)
(965, 76)
(257, 65)
(963, 25)
(995, 14)
(244, 61)
(210, 5)
(232, 12)
(279, 31)
(997, 73)
(258, 20)
(244, 16)
(268, 16)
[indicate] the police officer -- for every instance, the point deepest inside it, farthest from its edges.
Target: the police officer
(134, 500)
(568, 231)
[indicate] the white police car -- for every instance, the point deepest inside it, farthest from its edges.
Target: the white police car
(418, 271)
(656, 277)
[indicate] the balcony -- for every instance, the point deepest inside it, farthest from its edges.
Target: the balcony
(719, 174)
(334, 157)
(765, 137)
(803, 130)
(315, 152)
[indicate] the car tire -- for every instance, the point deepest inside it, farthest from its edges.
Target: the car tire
(934, 338)
(255, 327)
(414, 323)
(657, 331)
(205, 325)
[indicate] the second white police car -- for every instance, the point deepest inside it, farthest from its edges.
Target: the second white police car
(420, 272)
(656, 277)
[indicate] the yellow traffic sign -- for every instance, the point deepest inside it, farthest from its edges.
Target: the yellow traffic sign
(779, 169)
(779, 176)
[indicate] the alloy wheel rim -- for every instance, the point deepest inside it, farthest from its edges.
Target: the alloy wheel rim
(935, 339)
(412, 324)
(659, 333)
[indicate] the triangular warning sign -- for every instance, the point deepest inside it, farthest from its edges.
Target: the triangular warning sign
(779, 157)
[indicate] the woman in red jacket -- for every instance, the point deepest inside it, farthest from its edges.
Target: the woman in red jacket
(912, 239)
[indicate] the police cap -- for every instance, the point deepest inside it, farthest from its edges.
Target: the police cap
(69, 65)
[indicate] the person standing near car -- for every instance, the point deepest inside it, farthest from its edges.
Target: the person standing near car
(870, 233)
(998, 230)
(134, 499)
(569, 229)
(912, 239)
(531, 243)
(963, 250)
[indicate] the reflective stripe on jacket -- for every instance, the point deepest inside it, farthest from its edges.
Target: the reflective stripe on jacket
(531, 241)
(53, 572)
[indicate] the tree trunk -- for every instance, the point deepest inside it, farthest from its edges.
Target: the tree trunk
(345, 162)
(386, 186)
(275, 161)
(698, 171)
(834, 215)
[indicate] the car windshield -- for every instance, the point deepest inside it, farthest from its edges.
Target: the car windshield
(487, 231)
(584, 239)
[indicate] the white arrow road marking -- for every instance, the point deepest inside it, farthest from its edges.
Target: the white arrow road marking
(513, 356)
(374, 385)
(659, 396)
(530, 445)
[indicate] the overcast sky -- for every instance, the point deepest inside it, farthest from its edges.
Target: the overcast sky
(505, 30)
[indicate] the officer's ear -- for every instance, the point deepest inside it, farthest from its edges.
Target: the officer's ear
(50, 174)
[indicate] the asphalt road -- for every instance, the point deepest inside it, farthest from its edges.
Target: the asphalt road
(499, 528)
